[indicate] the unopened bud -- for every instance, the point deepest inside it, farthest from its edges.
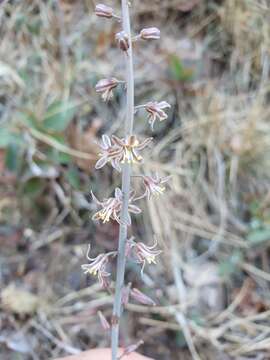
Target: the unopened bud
(131, 348)
(104, 322)
(125, 294)
(140, 297)
(151, 33)
(104, 11)
(122, 40)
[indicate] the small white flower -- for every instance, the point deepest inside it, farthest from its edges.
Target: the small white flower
(154, 185)
(97, 266)
(130, 147)
(106, 86)
(110, 153)
(111, 208)
(156, 111)
(122, 40)
(143, 253)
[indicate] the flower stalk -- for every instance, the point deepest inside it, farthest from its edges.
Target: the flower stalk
(121, 154)
(126, 174)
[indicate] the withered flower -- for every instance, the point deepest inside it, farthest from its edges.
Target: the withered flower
(155, 110)
(151, 33)
(106, 86)
(104, 11)
(97, 266)
(153, 185)
(110, 153)
(111, 208)
(129, 148)
(122, 40)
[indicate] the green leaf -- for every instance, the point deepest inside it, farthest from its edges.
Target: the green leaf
(73, 177)
(180, 339)
(58, 157)
(34, 26)
(230, 265)
(178, 70)
(5, 137)
(58, 115)
(30, 120)
(259, 236)
(33, 187)
(11, 158)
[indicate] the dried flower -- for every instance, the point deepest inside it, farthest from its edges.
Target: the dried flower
(122, 40)
(141, 297)
(151, 33)
(129, 148)
(111, 208)
(109, 153)
(106, 86)
(144, 253)
(104, 11)
(104, 322)
(97, 266)
(155, 110)
(153, 185)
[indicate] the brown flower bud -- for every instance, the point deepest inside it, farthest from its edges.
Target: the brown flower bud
(104, 11)
(151, 33)
(122, 40)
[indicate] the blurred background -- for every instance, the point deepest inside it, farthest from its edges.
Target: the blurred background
(211, 282)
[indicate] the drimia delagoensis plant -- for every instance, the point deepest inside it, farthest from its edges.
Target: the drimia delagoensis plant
(122, 154)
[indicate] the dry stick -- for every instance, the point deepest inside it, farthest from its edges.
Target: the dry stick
(126, 173)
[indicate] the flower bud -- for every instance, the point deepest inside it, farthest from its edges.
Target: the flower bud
(104, 11)
(122, 40)
(131, 348)
(125, 294)
(151, 33)
(104, 322)
(141, 297)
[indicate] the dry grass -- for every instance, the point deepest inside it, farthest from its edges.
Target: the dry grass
(213, 222)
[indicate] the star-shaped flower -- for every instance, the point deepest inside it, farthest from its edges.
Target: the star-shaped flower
(111, 208)
(97, 266)
(156, 111)
(154, 185)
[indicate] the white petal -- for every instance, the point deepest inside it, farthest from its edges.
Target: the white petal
(135, 209)
(101, 162)
(163, 105)
(106, 141)
(118, 193)
(95, 199)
